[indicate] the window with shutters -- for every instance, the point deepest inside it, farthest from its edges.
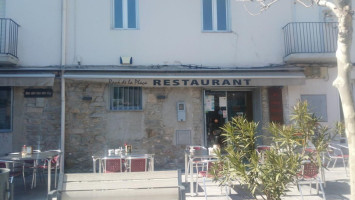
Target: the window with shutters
(215, 15)
(125, 14)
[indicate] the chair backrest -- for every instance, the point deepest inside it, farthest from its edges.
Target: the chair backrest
(210, 166)
(113, 165)
(334, 151)
(310, 170)
(138, 165)
(262, 148)
(55, 160)
(196, 147)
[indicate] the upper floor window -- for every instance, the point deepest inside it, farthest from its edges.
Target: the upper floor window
(126, 98)
(125, 14)
(215, 15)
(5, 109)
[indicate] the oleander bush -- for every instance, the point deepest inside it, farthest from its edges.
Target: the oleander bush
(272, 171)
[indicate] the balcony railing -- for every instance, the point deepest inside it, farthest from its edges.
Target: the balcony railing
(8, 37)
(310, 37)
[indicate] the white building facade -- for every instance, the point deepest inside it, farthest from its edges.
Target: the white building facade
(158, 74)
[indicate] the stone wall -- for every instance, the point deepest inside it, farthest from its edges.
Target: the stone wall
(91, 127)
(36, 121)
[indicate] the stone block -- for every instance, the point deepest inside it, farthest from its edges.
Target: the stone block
(99, 99)
(76, 131)
(40, 102)
(34, 110)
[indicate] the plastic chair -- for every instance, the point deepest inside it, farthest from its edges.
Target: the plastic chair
(205, 174)
(309, 175)
(335, 153)
(55, 165)
(198, 162)
(112, 165)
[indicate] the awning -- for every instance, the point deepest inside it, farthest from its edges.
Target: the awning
(26, 79)
(203, 79)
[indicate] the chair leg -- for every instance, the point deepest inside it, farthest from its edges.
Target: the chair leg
(300, 190)
(55, 176)
(321, 187)
(346, 172)
(329, 161)
(23, 176)
(204, 187)
(196, 190)
(335, 161)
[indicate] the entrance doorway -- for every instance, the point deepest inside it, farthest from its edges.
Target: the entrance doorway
(220, 107)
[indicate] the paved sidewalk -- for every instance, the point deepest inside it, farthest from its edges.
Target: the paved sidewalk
(337, 188)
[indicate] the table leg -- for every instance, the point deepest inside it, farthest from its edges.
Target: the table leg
(100, 162)
(152, 163)
(49, 174)
(94, 165)
(191, 178)
(186, 170)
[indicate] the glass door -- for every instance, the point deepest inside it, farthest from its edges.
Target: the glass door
(220, 107)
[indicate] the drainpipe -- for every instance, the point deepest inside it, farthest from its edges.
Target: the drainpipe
(63, 58)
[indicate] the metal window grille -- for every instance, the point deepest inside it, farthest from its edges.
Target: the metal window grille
(126, 98)
(183, 137)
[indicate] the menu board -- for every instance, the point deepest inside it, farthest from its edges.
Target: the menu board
(209, 103)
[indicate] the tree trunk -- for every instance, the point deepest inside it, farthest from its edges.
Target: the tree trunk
(343, 80)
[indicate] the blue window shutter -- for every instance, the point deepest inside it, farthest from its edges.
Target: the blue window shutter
(131, 8)
(118, 13)
(221, 15)
(207, 15)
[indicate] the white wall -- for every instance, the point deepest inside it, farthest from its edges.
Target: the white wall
(39, 32)
(318, 86)
(170, 33)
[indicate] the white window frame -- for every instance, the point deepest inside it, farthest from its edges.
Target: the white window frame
(125, 108)
(214, 17)
(124, 16)
(11, 113)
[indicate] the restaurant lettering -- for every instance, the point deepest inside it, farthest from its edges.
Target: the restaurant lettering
(137, 82)
(201, 82)
(180, 82)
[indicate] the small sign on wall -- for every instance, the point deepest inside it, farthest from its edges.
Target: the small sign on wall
(35, 93)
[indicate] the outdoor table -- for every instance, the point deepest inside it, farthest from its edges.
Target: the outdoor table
(102, 157)
(35, 156)
(189, 158)
(135, 185)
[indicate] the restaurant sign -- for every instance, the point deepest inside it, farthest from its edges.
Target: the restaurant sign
(181, 82)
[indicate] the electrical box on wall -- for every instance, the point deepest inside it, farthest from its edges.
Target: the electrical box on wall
(181, 111)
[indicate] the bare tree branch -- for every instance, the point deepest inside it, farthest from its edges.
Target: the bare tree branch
(304, 4)
(264, 5)
(250, 13)
(329, 5)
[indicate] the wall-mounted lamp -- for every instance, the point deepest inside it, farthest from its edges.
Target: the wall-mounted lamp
(126, 60)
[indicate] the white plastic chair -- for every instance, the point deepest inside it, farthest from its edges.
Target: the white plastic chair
(335, 153)
(205, 175)
(310, 175)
